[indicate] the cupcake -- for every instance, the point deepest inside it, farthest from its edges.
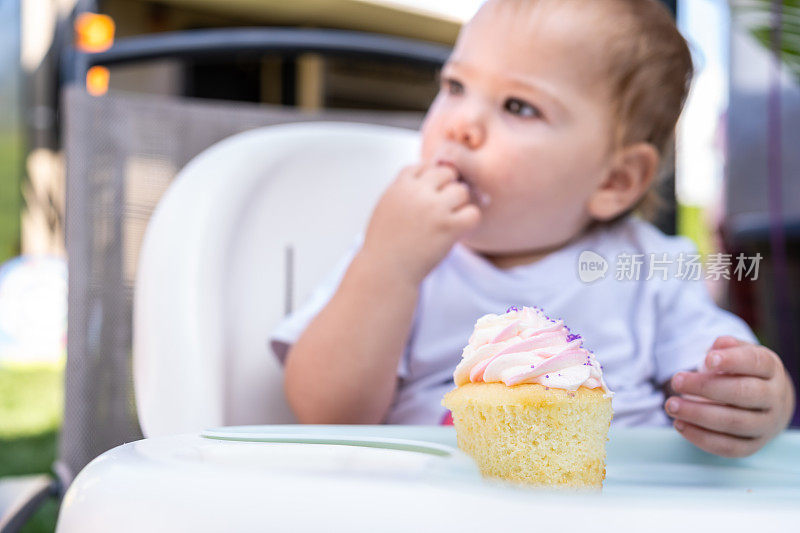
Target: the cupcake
(530, 403)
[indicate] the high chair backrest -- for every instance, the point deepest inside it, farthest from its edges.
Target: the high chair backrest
(243, 234)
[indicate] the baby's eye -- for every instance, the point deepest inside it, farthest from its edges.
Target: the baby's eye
(452, 86)
(521, 108)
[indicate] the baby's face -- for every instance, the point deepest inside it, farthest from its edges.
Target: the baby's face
(524, 117)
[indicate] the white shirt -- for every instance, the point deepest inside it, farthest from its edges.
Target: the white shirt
(641, 331)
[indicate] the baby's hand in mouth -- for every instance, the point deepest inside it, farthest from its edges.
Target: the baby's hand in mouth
(419, 218)
(477, 197)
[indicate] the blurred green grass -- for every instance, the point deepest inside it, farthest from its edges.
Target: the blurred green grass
(44, 520)
(10, 194)
(33, 454)
(31, 410)
(692, 224)
(31, 399)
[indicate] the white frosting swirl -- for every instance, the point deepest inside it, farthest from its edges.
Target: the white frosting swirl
(526, 346)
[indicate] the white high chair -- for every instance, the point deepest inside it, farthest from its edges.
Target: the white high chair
(212, 283)
(243, 234)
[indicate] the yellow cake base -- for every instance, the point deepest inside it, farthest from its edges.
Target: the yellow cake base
(532, 435)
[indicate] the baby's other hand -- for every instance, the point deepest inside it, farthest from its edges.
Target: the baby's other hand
(417, 221)
(745, 399)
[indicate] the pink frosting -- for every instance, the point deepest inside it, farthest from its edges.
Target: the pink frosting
(526, 346)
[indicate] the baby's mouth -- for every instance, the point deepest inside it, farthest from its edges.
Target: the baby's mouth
(476, 196)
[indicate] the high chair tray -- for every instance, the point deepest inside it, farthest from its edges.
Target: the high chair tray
(637, 458)
(396, 478)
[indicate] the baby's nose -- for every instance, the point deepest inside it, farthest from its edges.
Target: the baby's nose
(467, 130)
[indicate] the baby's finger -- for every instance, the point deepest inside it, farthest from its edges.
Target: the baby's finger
(745, 359)
(726, 341)
(721, 418)
(455, 195)
(467, 217)
(741, 391)
(717, 443)
(411, 171)
(439, 176)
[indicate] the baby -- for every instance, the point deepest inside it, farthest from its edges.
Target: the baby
(552, 123)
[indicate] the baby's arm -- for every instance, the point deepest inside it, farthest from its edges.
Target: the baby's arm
(343, 367)
(751, 399)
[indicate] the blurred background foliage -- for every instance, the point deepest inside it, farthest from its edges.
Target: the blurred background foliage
(762, 14)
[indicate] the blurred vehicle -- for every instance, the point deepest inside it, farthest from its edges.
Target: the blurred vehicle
(158, 48)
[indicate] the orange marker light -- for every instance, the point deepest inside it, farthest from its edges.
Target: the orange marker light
(94, 32)
(97, 80)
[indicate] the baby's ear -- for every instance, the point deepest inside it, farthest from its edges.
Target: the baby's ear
(627, 179)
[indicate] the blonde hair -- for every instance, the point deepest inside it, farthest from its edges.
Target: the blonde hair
(650, 72)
